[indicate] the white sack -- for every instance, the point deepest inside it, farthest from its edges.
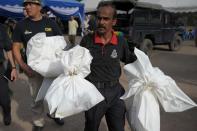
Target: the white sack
(70, 93)
(43, 54)
(148, 85)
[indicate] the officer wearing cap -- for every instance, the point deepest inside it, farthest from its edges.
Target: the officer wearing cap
(32, 1)
(24, 30)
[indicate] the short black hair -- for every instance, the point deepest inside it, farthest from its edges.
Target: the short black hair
(110, 4)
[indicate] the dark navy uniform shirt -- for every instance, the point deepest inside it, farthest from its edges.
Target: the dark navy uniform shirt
(5, 42)
(27, 28)
(105, 65)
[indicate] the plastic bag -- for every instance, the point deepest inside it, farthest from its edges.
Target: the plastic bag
(150, 85)
(70, 93)
(44, 53)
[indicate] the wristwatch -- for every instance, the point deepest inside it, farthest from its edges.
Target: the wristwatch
(14, 67)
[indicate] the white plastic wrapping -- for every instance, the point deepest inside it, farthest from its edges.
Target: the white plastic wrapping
(70, 93)
(149, 86)
(43, 54)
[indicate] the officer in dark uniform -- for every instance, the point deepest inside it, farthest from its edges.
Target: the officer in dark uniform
(23, 32)
(5, 44)
(107, 50)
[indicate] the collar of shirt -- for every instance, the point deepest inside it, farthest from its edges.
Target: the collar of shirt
(113, 41)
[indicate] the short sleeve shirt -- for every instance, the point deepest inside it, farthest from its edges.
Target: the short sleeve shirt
(105, 65)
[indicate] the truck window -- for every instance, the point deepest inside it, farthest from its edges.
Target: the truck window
(122, 20)
(140, 17)
(155, 17)
(169, 19)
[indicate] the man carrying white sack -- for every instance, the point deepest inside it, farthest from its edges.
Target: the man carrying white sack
(23, 32)
(107, 50)
(149, 86)
(75, 94)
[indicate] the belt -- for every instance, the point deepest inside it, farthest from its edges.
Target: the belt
(105, 84)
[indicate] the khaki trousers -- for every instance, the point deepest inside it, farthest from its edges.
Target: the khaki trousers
(36, 107)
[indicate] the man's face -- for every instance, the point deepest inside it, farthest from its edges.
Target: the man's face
(32, 9)
(72, 18)
(105, 20)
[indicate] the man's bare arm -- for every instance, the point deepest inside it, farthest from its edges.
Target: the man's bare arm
(13, 72)
(17, 54)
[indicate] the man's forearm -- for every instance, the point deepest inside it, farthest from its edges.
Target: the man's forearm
(17, 54)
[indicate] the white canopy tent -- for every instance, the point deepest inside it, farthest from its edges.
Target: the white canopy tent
(90, 5)
(180, 5)
(177, 6)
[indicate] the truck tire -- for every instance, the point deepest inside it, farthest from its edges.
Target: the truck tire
(176, 43)
(147, 46)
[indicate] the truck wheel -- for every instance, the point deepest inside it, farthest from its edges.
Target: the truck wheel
(147, 46)
(176, 43)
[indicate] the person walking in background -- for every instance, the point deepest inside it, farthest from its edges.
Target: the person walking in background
(24, 30)
(72, 29)
(44, 12)
(86, 25)
(5, 44)
(11, 23)
(92, 24)
(107, 50)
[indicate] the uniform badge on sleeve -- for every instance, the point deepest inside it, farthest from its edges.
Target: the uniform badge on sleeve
(114, 54)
